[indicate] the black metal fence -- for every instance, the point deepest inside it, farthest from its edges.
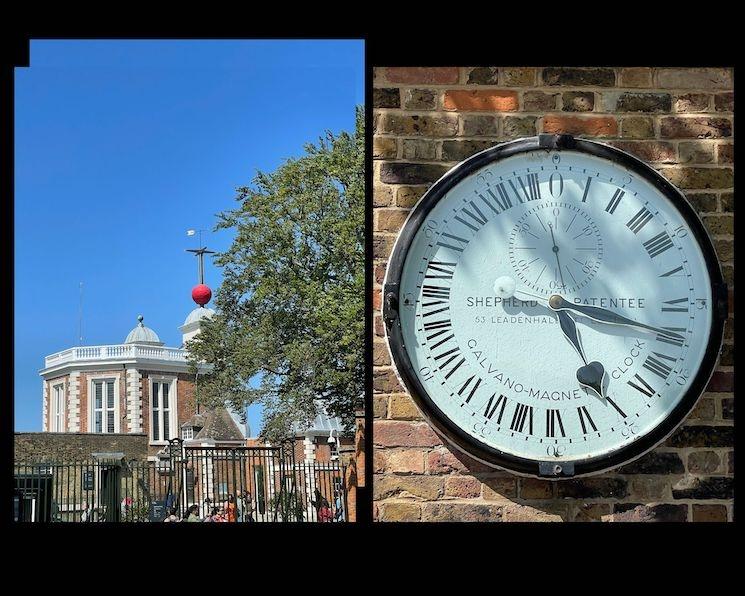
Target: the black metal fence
(242, 484)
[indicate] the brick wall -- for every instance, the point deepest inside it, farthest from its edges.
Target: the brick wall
(69, 447)
(428, 119)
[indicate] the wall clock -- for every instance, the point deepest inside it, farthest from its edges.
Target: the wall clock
(554, 306)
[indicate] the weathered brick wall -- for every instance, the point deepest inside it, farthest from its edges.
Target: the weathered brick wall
(428, 119)
(68, 447)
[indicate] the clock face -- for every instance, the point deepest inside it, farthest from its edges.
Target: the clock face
(556, 309)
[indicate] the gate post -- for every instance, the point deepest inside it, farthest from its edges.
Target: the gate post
(178, 471)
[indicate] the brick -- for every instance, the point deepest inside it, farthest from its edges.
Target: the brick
(592, 488)
(630, 512)
(461, 512)
(380, 275)
(728, 406)
(695, 127)
(445, 462)
(714, 487)
(481, 100)
(692, 102)
(579, 77)
(644, 102)
(654, 151)
(721, 382)
(703, 462)
(719, 224)
(692, 177)
(447, 75)
(462, 487)
(380, 406)
(655, 462)
(402, 461)
(731, 462)
(696, 152)
(724, 102)
(407, 196)
(384, 148)
(438, 125)
(532, 488)
(498, 488)
(636, 77)
(650, 488)
(419, 149)
(519, 126)
(387, 486)
(378, 325)
(394, 433)
(703, 202)
(596, 126)
(400, 511)
(726, 153)
(578, 101)
(709, 513)
(385, 381)
(637, 127)
(538, 101)
(725, 249)
(402, 408)
(477, 125)
(728, 271)
(702, 436)
(524, 513)
(694, 78)
(460, 150)
(727, 202)
(518, 77)
(703, 410)
(386, 98)
(411, 173)
(419, 99)
(588, 512)
(483, 75)
(382, 195)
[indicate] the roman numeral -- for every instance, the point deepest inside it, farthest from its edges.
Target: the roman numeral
(553, 418)
(658, 244)
(531, 188)
(442, 324)
(473, 389)
(675, 308)
(440, 270)
(672, 340)
(454, 353)
(450, 245)
(435, 292)
(522, 414)
(478, 217)
(672, 272)
(501, 199)
(584, 419)
(657, 366)
(641, 219)
(615, 200)
(492, 406)
(587, 189)
(615, 405)
(442, 341)
(644, 388)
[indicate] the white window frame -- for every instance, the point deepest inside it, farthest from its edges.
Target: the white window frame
(172, 409)
(188, 430)
(92, 380)
(57, 409)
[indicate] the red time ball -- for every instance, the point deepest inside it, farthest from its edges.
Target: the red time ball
(201, 294)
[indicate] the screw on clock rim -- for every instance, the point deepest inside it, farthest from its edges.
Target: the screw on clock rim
(480, 450)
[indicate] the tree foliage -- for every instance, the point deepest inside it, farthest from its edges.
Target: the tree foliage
(291, 305)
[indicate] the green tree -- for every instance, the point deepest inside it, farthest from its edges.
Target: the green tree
(291, 305)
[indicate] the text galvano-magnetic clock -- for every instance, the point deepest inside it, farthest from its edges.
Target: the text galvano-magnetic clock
(554, 306)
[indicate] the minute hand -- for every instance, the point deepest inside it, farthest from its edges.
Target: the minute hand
(602, 315)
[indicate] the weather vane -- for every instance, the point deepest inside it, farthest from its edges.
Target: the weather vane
(201, 294)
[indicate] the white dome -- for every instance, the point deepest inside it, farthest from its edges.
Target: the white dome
(199, 313)
(142, 335)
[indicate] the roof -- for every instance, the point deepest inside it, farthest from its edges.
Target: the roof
(196, 421)
(322, 424)
(143, 335)
(199, 313)
(219, 426)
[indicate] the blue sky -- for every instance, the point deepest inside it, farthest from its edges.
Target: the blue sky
(120, 147)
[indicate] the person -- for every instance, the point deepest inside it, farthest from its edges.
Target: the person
(212, 515)
(339, 506)
(193, 514)
(317, 502)
(86, 515)
(230, 509)
(324, 513)
(248, 506)
(220, 516)
(172, 517)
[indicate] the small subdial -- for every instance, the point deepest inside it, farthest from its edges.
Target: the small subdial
(555, 247)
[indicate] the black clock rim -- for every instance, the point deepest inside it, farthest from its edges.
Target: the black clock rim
(479, 450)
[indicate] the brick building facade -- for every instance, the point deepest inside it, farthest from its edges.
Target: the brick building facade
(426, 120)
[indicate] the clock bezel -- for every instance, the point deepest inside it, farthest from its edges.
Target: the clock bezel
(456, 436)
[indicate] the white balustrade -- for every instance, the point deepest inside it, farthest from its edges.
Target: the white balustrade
(116, 352)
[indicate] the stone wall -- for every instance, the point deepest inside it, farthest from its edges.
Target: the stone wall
(428, 119)
(69, 447)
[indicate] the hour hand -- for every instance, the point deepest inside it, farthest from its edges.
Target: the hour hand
(557, 303)
(592, 375)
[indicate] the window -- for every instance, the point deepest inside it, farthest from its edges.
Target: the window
(187, 433)
(104, 406)
(58, 408)
(162, 408)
